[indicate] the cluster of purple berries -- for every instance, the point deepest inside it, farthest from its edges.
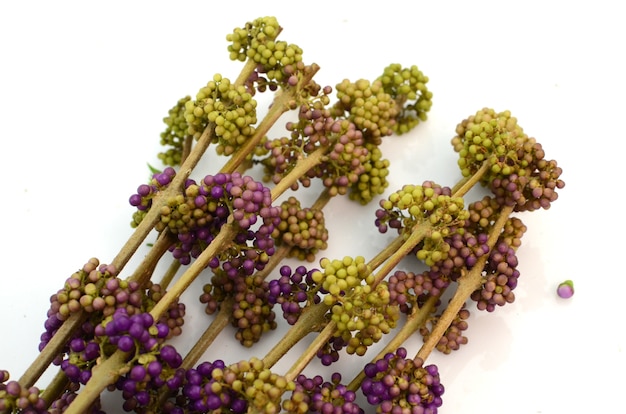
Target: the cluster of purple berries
(396, 383)
(154, 365)
(293, 291)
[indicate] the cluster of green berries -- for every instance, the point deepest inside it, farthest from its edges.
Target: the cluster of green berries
(337, 277)
(373, 181)
(275, 59)
(252, 381)
(368, 106)
(362, 313)
(228, 108)
(488, 136)
(407, 86)
(302, 229)
(258, 31)
(429, 204)
(175, 133)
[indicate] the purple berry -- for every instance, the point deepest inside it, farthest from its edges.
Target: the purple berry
(565, 289)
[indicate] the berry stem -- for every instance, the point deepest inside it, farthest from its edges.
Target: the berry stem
(52, 349)
(304, 359)
(145, 269)
(467, 283)
(221, 320)
(220, 243)
(152, 216)
(55, 387)
(311, 319)
(314, 316)
(103, 374)
(301, 167)
(420, 231)
(464, 185)
(283, 102)
(169, 274)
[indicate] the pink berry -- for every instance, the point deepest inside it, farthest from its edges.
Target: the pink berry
(565, 289)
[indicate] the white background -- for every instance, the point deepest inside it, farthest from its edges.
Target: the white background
(84, 87)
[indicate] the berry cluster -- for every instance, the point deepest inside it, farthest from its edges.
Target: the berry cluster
(253, 34)
(518, 173)
(465, 249)
(15, 398)
(329, 351)
(488, 136)
(453, 337)
(228, 109)
(373, 181)
(500, 279)
(251, 313)
(314, 395)
(197, 215)
(302, 229)
(368, 106)
(397, 384)
(142, 199)
(338, 277)
(175, 133)
(96, 290)
(152, 366)
(407, 86)
(409, 291)
(236, 388)
(293, 291)
(345, 156)
(362, 313)
(59, 405)
(363, 316)
(278, 63)
(428, 203)
(252, 310)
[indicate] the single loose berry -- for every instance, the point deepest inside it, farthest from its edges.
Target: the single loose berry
(565, 289)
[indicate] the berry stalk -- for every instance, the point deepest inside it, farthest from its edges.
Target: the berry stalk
(467, 284)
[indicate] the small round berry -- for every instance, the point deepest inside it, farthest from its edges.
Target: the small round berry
(565, 289)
